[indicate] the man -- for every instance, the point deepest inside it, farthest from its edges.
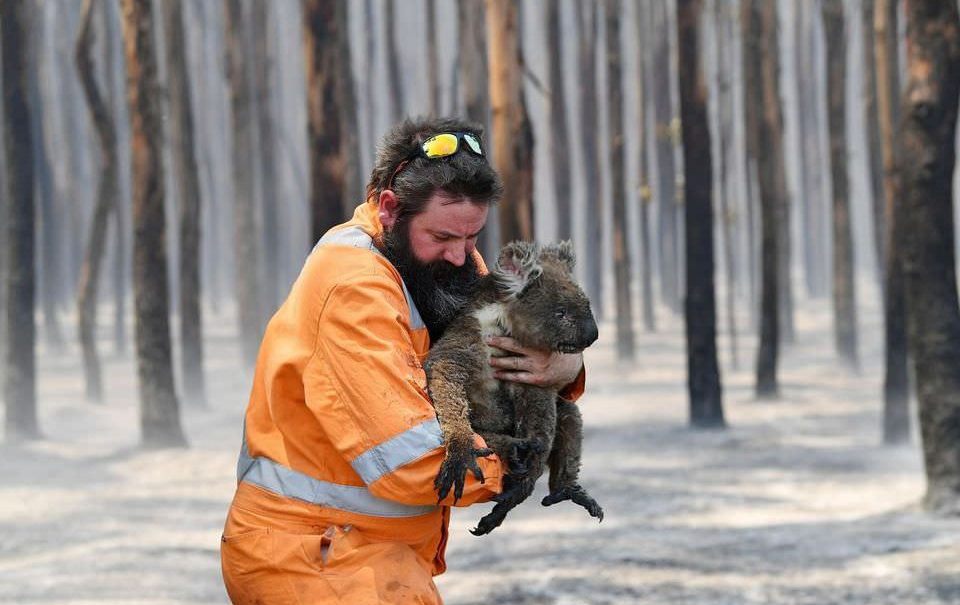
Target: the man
(335, 500)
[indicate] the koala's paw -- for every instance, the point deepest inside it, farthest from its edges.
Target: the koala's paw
(577, 495)
(453, 471)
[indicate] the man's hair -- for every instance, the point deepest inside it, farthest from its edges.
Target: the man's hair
(462, 174)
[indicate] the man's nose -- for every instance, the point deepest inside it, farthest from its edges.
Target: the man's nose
(455, 255)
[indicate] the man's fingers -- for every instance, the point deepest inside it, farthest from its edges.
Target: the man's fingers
(512, 362)
(507, 344)
(524, 377)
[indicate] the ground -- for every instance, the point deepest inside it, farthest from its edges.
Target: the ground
(797, 502)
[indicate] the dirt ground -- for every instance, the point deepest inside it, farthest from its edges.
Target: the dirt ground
(795, 503)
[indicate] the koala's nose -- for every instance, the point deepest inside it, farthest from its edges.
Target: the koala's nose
(589, 332)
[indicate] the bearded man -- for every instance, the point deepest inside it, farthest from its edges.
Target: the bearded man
(335, 499)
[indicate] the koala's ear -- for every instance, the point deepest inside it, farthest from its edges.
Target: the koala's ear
(517, 266)
(564, 252)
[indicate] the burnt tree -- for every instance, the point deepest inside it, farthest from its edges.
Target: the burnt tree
(186, 169)
(928, 135)
(159, 410)
(20, 375)
(618, 189)
(645, 191)
(559, 137)
(703, 373)
(896, 385)
(106, 202)
(512, 130)
(844, 292)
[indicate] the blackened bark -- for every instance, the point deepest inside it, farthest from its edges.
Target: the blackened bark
(646, 195)
(874, 153)
(159, 410)
(928, 136)
(703, 373)
(618, 192)
(246, 238)
(844, 291)
(433, 71)
(666, 132)
(559, 138)
(186, 169)
(512, 131)
(896, 384)
(587, 26)
(353, 187)
(323, 115)
(19, 384)
(106, 201)
(394, 96)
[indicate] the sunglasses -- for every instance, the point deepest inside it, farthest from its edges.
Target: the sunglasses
(441, 145)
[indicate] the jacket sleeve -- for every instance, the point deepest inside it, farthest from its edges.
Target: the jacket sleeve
(574, 390)
(380, 418)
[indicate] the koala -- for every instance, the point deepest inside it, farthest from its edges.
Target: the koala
(532, 297)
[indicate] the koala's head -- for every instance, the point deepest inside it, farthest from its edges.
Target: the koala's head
(544, 305)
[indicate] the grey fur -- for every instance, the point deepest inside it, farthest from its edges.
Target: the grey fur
(531, 295)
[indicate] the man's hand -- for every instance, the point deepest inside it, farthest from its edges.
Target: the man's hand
(533, 366)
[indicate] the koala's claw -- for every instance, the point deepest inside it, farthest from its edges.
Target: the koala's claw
(454, 469)
(521, 452)
(577, 495)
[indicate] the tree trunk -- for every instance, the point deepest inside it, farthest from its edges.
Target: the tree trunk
(703, 373)
(246, 237)
(844, 292)
(159, 411)
(615, 138)
(874, 152)
(559, 138)
(20, 387)
(183, 145)
(896, 384)
(323, 115)
(394, 96)
(646, 195)
(512, 131)
(475, 94)
(106, 201)
(666, 165)
(587, 26)
(928, 136)
(354, 185)
(433, 71)
(723, 36)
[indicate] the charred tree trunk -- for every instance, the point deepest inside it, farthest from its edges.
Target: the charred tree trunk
(433, 71)
(159, 411)
(323, 115)
(246, 237)
(646, 194)
(559, 139)
(512, 131)
(928, 135)
(186, 169)
(587, 27)
(874, 146)
(615, 138)
(394, 96)
(844, 293)
(20, 380)
(666, 164)
(353, 189)
(896, 385)
(703, 373)
(475, 94)
(106, 202)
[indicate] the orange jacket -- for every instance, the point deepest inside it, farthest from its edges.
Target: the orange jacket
(339, 434)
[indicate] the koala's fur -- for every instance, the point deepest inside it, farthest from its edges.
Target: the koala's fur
(532, 297)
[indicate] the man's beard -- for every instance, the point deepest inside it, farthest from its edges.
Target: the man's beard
(439, 289)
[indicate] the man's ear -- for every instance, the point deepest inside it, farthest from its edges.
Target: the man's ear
(516, 267)
(388, 211)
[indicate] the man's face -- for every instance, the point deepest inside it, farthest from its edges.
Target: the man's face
(432, 251)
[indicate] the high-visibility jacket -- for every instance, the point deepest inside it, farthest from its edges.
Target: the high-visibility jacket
(335, 499)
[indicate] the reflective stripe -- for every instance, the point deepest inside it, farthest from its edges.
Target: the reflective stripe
(287, 482)
(397, 451)
(355, 237)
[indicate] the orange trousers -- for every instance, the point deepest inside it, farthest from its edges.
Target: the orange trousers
(265, 565)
